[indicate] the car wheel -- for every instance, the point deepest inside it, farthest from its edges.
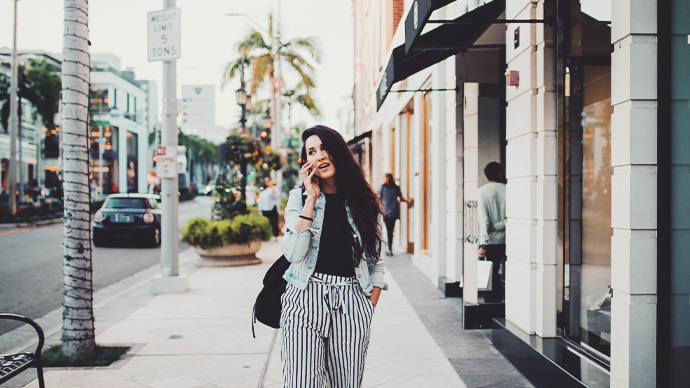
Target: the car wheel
(156, 240)
(98, 241)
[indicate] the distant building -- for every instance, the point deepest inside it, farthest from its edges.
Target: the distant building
(39, 145)
(123, 111)
(123, 114)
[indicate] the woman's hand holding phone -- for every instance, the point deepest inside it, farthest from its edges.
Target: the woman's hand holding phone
(311, 182)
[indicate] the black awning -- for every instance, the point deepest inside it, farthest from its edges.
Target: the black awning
(437, 45)
(417, 18)
(359, 138)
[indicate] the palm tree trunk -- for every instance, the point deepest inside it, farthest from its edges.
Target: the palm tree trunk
(78, 337)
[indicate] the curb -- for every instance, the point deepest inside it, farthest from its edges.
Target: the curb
(10, 226)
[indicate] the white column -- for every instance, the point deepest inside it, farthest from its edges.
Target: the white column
(470, 159)
(546, 178)
(454, 176)
(633, 193)
(438, 172)
(522, 190)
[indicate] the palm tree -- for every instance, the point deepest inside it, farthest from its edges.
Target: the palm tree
(78, 338)
(265, 53)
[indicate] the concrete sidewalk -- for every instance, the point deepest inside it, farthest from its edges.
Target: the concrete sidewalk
(203, 338)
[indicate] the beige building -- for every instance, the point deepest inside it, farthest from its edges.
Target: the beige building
(584, 103)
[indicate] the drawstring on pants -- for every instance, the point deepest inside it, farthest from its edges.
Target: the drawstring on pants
(334, 294)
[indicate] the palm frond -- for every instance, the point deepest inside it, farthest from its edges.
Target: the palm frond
(254, 41)
(261, 68)
(294, 62)
(310, 45)
(309, 103)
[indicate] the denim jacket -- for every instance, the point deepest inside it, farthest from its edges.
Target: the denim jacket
(302, 249)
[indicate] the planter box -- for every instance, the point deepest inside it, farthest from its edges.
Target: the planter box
(229, 255)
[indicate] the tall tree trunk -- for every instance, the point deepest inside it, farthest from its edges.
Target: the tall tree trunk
(78, 338)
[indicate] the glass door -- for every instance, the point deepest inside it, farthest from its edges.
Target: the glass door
(584, 177)
(587, 272)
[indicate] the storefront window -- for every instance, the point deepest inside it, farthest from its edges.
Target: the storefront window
(584, 180)
(132, 157)
(679, 263)
(104, 158)
(425, 175)
(99, 100)
(595, 285)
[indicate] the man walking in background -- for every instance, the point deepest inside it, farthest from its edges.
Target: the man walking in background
(491, 214)
(268, 204)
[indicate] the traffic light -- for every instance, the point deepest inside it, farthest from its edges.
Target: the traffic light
(155, 160)
(265, 136)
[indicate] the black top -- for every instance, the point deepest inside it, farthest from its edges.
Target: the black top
(335, 247)
(389, 197)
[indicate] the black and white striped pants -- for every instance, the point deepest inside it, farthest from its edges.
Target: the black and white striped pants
(325, 333)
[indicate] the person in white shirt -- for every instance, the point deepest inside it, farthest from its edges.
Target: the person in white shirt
(491, 214)
(268, 204)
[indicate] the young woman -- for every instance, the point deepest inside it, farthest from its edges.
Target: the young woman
(390, 195)
(335, 279)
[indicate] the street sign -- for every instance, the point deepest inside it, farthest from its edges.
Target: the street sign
(166, 166)
(295, 142)
(164, 34)
(198, 107)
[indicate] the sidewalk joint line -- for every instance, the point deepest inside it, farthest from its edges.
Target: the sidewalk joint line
(268, 359)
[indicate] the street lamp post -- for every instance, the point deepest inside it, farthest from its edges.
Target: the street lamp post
(242, 98)
(13, 121)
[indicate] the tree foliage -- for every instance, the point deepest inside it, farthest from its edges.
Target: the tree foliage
(40, 84)
(264, 53)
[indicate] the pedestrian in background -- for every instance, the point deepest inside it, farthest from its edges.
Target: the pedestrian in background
(491, 214)
(333, 241)
(268, 199)
(391, 195)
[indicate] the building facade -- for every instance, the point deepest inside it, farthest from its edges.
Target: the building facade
(585, 104)
(38, 146)
(124, 119)
(123, 115)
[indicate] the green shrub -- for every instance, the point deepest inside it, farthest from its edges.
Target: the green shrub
(206, 233)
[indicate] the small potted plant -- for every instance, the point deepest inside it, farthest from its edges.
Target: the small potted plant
(227, 242)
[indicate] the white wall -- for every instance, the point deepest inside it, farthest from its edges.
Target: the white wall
(531, 171)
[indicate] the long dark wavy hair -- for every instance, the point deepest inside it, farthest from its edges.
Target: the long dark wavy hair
(364, 204)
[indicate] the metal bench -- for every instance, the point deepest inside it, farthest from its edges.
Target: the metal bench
(13, 364)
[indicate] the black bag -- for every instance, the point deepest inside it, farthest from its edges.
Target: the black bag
(267, 306)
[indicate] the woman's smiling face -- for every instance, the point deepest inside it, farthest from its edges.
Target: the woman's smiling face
(319, 158)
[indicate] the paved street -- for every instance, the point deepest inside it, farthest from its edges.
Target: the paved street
(31, 262)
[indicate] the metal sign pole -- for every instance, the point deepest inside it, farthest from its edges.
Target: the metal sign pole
(169, 189)
(164, 45)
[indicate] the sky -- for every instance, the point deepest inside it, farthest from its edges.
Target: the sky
(208, 39)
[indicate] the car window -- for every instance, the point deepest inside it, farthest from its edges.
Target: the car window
(153, 203)
(126, 203)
